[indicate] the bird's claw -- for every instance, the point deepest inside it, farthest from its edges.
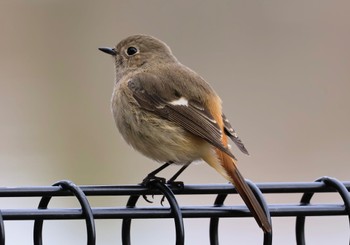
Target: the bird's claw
(146, 199)
(151, 179)
(148, 181)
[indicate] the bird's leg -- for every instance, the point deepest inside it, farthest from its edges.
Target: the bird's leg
(178, 184)
(152, 175)
(172, 181)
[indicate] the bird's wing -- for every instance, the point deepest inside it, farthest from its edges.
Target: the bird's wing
(230, 132)
(169, 104)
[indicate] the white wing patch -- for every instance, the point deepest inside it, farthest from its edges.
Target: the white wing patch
(182, 101)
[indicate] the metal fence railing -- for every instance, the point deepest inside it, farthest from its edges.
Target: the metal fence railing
(174, 211)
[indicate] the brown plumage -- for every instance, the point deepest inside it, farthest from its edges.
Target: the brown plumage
(171, 114)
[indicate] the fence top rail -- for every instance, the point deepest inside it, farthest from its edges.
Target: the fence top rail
(127, 190)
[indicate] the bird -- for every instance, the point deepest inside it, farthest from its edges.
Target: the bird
(169, 113)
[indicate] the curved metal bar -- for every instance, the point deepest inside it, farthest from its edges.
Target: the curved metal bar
(175, 208)
(305, 200)
(38, 223)
(86, 210)
(300, 220)
(340, 187)
(219, 201)
(214, 222)
(2, 230)
(127, 221)
(259, 196)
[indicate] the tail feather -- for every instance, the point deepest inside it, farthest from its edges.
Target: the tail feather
(236, 178)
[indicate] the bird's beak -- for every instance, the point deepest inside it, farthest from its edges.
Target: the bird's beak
(107, 50)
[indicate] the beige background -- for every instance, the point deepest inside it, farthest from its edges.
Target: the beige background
(281, 68)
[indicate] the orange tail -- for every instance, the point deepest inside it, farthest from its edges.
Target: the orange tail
(244, 190)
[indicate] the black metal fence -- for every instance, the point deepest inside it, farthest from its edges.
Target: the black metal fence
(174, 211)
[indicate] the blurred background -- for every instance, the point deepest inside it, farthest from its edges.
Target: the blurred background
(281, 68)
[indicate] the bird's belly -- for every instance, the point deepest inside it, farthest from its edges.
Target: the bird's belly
(158, 138)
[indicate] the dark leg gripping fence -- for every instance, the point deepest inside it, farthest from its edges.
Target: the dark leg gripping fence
(178, 213)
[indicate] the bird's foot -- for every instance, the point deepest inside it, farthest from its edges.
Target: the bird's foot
(151, 179)
(148, 181)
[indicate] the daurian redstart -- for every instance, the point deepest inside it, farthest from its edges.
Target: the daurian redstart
(170, 114)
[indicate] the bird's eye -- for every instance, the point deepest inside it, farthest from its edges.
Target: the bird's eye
(131, 51)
